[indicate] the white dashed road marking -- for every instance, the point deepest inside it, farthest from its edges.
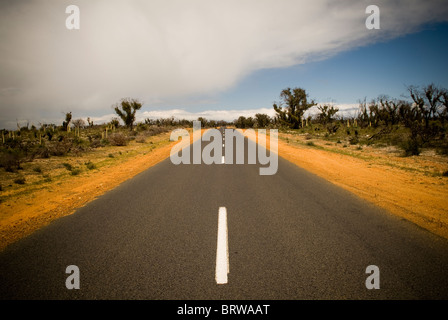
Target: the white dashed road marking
(222, 250)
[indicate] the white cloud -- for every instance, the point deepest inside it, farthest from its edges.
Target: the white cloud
(226, 115)
(346, 110)
(171, 49)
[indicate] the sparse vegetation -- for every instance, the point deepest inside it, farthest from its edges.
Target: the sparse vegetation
(90, 165)
(19, 180)
(118, 139)
(37, 169)
(75, 171)
(33, 157)
(413, 127)
(68, 166)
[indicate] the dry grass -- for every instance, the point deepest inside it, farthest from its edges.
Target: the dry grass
(56, 186)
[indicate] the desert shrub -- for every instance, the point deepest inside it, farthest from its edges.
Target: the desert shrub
(310, 143)
(67, 166)
(140, 139)
(60, 147)
(442, 150)
(78, 149)
(19, 180)
(397, 139)
(37, 169)
(410, 147)
(96, 143)
(90, 165)
(11, 159)
(152, 131)
(75, 171)
(42, 152)
(94, 136)
(118, 139)
(353, 140)
(332, 128)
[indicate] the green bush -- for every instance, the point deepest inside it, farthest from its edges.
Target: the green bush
(90, 165)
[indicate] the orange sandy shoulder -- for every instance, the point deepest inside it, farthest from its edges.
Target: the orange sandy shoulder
(24, 213)
(408, 187)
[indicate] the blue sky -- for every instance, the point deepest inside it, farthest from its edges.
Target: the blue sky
(381, 68)
(210, 58)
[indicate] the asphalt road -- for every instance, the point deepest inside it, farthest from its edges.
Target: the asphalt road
(291, 236)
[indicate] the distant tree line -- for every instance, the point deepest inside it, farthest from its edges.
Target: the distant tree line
(424, 116)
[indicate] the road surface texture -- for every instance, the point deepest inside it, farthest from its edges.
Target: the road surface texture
(290, 236)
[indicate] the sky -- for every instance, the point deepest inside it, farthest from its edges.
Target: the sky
(211, 58)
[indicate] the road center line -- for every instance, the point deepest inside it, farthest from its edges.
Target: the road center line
(223, 160)
(222, 250)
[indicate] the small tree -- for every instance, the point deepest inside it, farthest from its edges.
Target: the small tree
(262, 120)
(79, 123)
(444, 101)
(295, 103)
(126, 110)
(428, 101)
(240, 122)
(66, 123)
(326, 114)
(203, 121)
(115, 122)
